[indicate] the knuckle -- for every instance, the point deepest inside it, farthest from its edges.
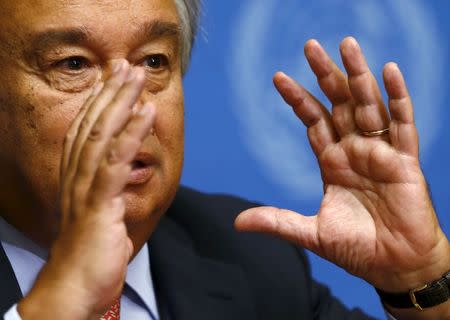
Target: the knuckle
(340, 119)
(96, 133)
(85, 123)
(105, 170)
(128, 135)
(121, 151)
(69, 137)
(82, 110)
(113, 156)
(109, 176)
(132, 135)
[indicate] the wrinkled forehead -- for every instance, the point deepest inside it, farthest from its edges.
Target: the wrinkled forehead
(34, 15)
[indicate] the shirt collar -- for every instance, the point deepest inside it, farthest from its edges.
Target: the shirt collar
(139, 278)
(14, 237)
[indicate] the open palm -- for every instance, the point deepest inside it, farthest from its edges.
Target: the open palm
(376, 219)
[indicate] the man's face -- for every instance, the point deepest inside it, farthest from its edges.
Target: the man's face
(52, 52)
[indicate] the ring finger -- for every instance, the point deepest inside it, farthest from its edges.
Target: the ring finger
(370, 111)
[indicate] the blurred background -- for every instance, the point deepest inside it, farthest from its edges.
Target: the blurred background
(242, 139)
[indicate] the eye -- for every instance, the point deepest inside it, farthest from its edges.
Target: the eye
(156, 61)
(73, 63)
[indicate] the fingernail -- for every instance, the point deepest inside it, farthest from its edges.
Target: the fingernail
(117, 66)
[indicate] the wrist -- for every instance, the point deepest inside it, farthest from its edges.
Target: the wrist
(52, 298)
(50, 306)
(423, 299)
(424, 294)
(437, 264)
(427, 296)
(439, 312)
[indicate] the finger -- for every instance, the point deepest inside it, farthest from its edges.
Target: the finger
(80, 129)
(113, 172)
(72, 131)
(111, 120)
(333, 83)
(288, 225)
(114, 83)
(370, 111)
(403, 132)
(310, 111)
(64, 197)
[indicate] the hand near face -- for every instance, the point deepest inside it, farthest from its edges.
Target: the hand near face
(88, 261)
(376, 219)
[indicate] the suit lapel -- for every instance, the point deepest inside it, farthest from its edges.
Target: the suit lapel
(195, 287)
(10, 292)
(187, 286)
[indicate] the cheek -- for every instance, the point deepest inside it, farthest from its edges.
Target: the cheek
(170, 125)
(44, 118)
(50, 117)
(36, 125)
(73, 83)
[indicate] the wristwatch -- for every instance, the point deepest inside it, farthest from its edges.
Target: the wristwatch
(427, 296)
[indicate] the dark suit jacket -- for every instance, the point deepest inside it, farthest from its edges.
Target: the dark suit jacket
(204, 270)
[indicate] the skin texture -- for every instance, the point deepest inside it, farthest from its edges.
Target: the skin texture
(40, 100)
(67, 145)
(67, 149)
(376, 219)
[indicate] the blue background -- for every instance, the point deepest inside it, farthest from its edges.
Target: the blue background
(240, 137)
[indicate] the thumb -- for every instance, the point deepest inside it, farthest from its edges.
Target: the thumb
(288, 225)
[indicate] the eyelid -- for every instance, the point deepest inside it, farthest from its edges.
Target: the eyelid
(165, 63)
(58, 53)
(140, 53)
(84, 60)
(165, 56)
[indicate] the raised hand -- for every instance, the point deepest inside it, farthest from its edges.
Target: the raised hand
(376, 219)
(88, 261)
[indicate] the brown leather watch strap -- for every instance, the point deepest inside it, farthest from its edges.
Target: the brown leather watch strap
(428, 296)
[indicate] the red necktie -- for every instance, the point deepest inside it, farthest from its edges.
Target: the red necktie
(113, 313)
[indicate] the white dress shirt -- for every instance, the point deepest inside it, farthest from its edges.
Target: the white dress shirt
(138, 300)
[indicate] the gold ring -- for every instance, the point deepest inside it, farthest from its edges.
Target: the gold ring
(375, 133)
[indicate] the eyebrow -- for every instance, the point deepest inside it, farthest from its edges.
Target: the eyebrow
(157, 29)
(75, 36)
(45, 39)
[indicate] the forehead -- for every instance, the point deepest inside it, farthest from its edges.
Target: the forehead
(34, 15)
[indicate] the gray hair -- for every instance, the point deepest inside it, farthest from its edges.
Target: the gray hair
(189, 13)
